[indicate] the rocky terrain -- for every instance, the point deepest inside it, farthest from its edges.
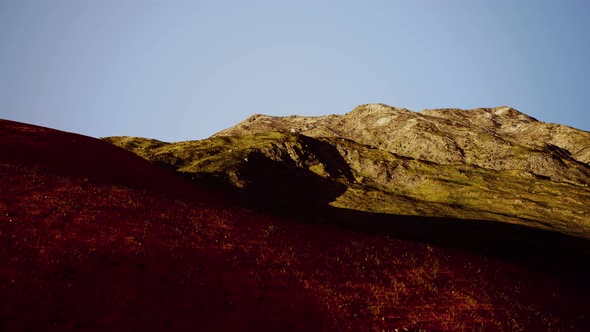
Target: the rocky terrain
(494, 164)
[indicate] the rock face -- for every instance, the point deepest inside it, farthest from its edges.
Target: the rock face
(489, 163)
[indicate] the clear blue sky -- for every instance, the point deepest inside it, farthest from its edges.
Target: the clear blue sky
(178, 70)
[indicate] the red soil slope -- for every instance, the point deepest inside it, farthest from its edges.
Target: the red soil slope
(95, 238)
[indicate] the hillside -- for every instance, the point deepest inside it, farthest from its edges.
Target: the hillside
(487, 164)
(95, 238)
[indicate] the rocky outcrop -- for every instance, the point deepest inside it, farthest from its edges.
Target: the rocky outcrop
(495, 138)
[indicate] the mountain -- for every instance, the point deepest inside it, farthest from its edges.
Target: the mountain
(491, 164)
(95, 238)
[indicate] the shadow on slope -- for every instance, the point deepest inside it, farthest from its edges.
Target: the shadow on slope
(537, 247)
(287, 190)
(296, 193)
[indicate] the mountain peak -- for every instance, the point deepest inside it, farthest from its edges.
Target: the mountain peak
(511, 113)
(485, 137)
(367, 109)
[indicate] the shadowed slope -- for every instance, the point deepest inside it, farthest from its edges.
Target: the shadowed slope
(293, 192)
(93, 237)
(83, 157)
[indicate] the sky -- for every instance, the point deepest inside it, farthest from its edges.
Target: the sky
(180, 70)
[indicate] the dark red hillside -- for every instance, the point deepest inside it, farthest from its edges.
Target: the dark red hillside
(78, 156)
(94, 238)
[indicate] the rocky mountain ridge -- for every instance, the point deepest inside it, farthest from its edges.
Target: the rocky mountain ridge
(498, 138)
(491, 163)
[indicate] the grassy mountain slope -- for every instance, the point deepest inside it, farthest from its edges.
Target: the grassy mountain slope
(94, 238)
(490, 164)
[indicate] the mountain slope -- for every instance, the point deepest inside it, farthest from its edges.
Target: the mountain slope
(94, 238)
(490, 164)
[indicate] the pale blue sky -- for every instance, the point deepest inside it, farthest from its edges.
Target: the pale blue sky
(178, 70)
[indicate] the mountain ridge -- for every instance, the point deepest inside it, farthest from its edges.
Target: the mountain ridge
(495, 121)
(492, 163)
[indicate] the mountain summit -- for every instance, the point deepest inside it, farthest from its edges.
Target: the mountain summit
(498, 138)
(494, 164)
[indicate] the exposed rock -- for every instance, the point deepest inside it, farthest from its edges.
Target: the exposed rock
(500, 138)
